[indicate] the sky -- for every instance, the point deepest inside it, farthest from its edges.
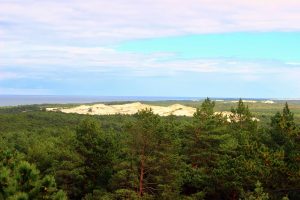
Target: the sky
(175, 48)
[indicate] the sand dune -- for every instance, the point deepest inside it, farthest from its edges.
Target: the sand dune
(132, 108)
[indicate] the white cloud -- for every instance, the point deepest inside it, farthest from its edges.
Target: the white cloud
(24, 91)
(8, 75)
(54, 59)
(293, 63)
(103, 21)
(41, 38)
(52, 32)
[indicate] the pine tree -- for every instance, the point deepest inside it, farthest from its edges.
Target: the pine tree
(21, 180)
(285, 139)
(201, 146)
(98, 152)
(242, 119)
(258, 193)
(149, 167)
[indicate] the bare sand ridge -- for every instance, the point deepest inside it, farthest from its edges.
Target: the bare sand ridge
(132, 108)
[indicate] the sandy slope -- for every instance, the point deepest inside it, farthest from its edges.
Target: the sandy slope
(131, 108)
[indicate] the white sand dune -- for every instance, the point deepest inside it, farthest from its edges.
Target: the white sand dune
(269, 102)
(132, 108)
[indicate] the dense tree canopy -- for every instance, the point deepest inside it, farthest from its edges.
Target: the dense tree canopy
(144, 156)
(21, 180)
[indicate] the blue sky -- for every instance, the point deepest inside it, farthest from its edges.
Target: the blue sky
(214, 48)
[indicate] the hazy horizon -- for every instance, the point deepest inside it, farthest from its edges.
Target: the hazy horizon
(214, 48)
(14, 100)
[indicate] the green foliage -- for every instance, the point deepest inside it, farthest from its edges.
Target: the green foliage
(258, 193)
(283, 128)
(146, 156)
(242, 118)
(98, 151)
(150, 160)
(285, 139)
(206, 110)
(125, 194)
(21, 180)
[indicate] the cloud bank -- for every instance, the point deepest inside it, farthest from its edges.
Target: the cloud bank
(118, 19)
(76, 40)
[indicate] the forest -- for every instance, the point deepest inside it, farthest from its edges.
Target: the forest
(54, 155)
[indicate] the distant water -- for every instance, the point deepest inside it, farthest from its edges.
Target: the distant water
(14, 100)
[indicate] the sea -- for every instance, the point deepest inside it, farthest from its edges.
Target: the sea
(15, 100)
